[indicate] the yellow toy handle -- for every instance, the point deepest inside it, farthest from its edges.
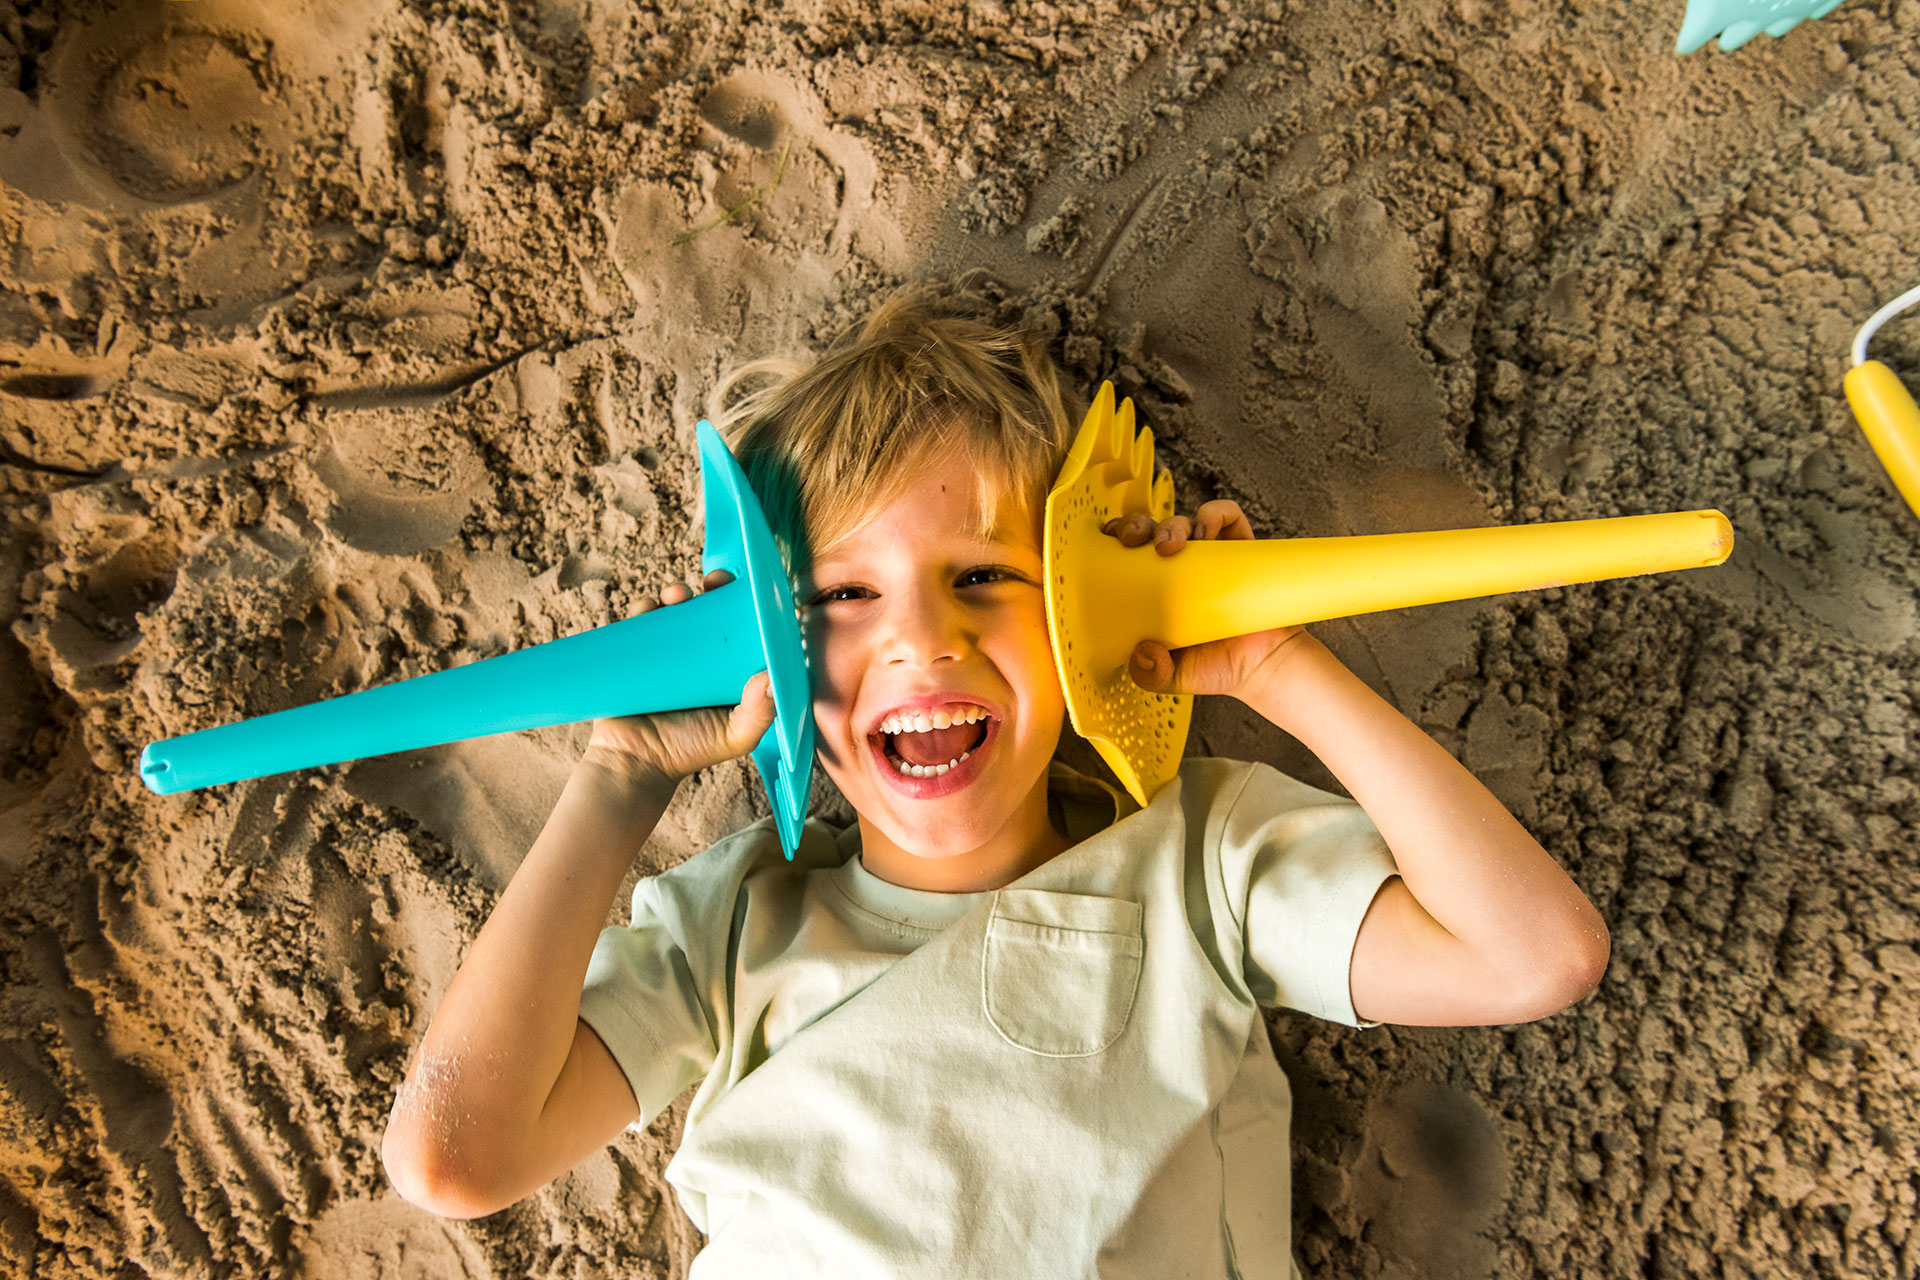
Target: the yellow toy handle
(1216, 589)
(1891, 421)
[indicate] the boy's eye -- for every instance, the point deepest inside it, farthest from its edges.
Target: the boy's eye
(991, 572)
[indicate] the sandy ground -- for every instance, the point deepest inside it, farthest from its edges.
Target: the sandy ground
(342, 341)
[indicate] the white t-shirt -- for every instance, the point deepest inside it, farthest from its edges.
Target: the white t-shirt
(1065, 1077)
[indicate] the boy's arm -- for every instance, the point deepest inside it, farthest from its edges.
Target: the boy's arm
(1481, 926)
(510, 1088)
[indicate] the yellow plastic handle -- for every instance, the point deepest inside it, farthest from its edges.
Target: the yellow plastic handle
(1212, 590)
(1891, 421)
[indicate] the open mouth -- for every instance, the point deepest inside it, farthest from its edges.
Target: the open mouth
(958, 744)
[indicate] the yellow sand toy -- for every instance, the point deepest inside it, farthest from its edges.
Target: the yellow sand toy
(1103, 598)
(1886, 412)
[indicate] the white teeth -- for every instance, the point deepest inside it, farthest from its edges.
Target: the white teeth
(923, 723)
(934, 771)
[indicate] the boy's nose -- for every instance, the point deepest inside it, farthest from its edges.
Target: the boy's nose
(923, 630)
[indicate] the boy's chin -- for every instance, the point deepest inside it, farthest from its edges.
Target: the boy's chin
(894, 816)
(951, 842)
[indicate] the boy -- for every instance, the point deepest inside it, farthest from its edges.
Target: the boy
(1008, 1022)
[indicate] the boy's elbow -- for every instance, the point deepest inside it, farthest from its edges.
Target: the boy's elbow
(1591, 948)
(1581, 966)
(426, 1175)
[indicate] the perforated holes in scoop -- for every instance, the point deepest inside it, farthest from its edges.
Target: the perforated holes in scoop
(1141, 727)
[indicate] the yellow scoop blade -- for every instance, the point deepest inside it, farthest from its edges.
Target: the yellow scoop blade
(1108, 473)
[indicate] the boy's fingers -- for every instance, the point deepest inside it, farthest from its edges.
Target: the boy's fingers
(1146, 665)
(1174, 532)
(1223, 516)
(750, 720)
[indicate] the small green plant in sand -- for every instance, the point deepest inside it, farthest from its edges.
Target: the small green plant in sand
(687, 237)
(779, 172)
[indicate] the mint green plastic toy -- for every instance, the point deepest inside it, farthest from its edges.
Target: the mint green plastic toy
(694, 654)
(1738, 21)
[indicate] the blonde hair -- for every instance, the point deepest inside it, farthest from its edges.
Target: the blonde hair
(827, 444)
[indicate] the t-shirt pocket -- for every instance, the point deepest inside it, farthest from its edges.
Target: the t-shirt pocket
(1061, 970)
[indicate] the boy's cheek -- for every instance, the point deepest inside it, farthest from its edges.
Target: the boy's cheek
(820, 653)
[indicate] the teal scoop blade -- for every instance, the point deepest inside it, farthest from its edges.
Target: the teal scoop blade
(695, 654)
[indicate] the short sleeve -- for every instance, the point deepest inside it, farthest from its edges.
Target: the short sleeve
(1301, 867)
(642, 999)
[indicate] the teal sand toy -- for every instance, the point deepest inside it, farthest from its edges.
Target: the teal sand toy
(1738, 21)
(695, 654)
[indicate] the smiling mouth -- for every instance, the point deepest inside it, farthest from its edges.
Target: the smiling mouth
(888, 748)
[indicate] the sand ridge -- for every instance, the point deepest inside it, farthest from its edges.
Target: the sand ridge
(339, 343)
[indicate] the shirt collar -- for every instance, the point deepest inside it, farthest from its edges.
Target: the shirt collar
(1088, 805)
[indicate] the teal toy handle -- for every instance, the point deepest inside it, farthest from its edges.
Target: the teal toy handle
(695, 654)
(620, 669)
(1738, 21)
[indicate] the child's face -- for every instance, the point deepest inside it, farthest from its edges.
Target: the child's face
(907, 607)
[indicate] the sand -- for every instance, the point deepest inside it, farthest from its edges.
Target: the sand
(341, 342)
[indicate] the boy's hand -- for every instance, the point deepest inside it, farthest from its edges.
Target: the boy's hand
(671, 745)
(1219, 666)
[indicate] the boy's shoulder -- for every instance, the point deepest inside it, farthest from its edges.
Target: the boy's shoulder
(1216, 773)
(1210, 784)
(714, 878)
(757, 846)
(1203, 789)
(1204, 776)
(1234, 782)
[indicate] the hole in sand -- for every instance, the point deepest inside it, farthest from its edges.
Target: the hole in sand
(53, 386)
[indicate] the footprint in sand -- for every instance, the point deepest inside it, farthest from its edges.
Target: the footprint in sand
(180, 117)
(1356, 270)
(85, 631)
(398, 487)
(146, 107)
(386, 1239)
(1430, 1178)
(784, 172)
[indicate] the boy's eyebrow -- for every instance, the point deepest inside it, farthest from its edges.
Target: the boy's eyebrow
(840, 560)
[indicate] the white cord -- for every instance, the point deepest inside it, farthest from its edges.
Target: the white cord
(1880, 317)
